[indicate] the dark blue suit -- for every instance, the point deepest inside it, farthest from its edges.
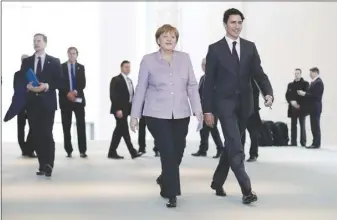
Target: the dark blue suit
(41, 108)
(313, 99)
(228, 93)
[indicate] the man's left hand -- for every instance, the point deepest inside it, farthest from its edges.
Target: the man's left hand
(269, 101)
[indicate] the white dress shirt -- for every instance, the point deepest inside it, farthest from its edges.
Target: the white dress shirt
(230, 44)
(129, 85)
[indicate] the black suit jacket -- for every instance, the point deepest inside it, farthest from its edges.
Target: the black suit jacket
(119, 95)
(80, 84)
(51, 74)
(223, 84)
(313, 97)
(291, 95)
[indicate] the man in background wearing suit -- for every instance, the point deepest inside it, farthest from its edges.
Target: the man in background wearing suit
(72, 99)
(142, 138)
(296, 107)
(204, 132)
(26, 146)
(254, 125)
(42, 102)
(231, 63)
(121, 94)
(313, 98)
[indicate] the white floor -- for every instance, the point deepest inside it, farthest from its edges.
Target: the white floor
(292, 184)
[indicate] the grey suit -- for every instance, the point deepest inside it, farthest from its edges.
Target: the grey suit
(167, 90)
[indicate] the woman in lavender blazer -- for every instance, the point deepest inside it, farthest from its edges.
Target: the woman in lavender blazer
(167, 85)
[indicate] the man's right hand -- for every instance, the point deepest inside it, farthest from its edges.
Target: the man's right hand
(119, 114)
(71, 96)
(209, 119)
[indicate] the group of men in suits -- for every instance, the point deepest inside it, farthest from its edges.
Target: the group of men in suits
(39, 103)
(305, 99)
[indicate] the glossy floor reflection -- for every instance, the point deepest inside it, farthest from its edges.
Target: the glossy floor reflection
(292, 184)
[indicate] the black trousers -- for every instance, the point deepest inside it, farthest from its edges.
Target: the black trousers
(315, 122)
(204, 136)
(253, 126)
(66, 117)
(170, 136)
(41, 123)
(121, 130)
(303, 138)
(26, 145)
(233, 155)
(142, 136)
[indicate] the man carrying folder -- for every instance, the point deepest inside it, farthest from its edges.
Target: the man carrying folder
(41, 102)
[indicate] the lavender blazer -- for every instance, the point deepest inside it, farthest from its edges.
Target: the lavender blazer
(166, 89)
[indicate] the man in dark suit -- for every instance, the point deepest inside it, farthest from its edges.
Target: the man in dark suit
(72, 99)
(313, 99)
(26, 146)
(142, 138)
(42, 102)
(204, 132)
(230, 65)
(121, 94)
(296, 108)
(254, 125)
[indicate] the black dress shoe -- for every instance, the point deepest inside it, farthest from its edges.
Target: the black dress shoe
(249, 198)
(48, 170)
(40, 173)
(218, 155)
(142, 151)
(83, 155)
(69, 155)
(172, 203)
(115, 156)
(133, 156)
(312, 147)
(199, 154)
(156, 154)
(220, 192)
(252, 159)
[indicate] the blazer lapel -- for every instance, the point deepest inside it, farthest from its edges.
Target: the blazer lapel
(243, 53)
(46, 63)
(124, 83)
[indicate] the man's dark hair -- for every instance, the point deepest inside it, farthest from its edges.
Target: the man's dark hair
(232, 11)
(44, 37)
(72, 48)
(124, 62)
(315, 70)
(298, 69)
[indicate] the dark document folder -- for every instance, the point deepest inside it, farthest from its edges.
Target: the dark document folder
(31, 77)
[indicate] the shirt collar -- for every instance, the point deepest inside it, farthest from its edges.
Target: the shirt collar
(230, 41)
(124, 75)
(43, 56)
(160, 54)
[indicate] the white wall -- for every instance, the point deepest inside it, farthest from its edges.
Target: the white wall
(287, 35)
(296, 34)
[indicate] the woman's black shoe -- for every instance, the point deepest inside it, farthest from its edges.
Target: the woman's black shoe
(172, 203)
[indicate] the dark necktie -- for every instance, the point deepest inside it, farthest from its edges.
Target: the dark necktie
(235, 56)
(73, 78)
(39, 66)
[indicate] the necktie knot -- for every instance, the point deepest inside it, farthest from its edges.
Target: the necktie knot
(39, 58)
(234, 43)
